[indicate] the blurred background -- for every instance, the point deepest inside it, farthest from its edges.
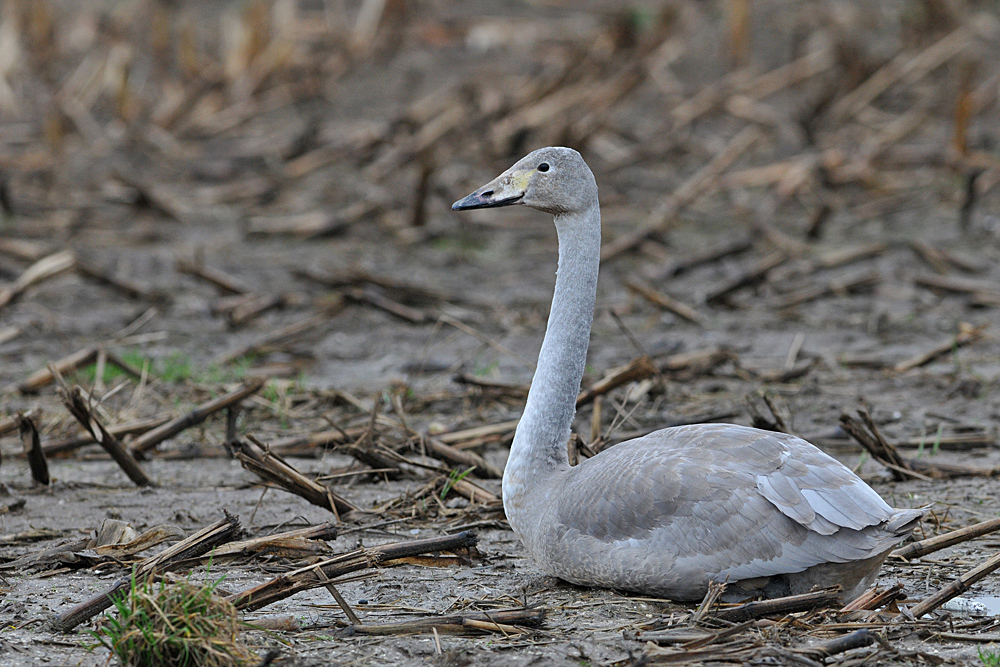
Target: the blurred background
(264, 185)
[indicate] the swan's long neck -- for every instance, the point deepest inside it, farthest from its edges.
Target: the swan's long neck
(539, 446)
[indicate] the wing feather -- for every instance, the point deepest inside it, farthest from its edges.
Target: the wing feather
(826, 486)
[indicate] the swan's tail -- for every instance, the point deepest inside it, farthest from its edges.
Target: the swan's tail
(902, 522)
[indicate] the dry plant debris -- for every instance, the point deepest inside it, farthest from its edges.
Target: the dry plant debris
(196, 545)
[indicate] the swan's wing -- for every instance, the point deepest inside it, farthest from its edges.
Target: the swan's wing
(724, 498)
(818, 491)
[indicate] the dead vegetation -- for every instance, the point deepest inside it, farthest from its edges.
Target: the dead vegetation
(202, 205)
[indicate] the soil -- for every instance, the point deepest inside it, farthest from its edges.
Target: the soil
(493, 272)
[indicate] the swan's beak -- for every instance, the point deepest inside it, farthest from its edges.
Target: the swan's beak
(506, 189)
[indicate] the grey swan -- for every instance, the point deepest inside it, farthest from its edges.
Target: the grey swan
(667, 513)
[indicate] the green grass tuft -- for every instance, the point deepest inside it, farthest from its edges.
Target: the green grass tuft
(990, 658)
(177, 624)
(175, 367)
(454, 478)
(88, 374)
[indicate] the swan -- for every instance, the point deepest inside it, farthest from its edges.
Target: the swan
(668, 513)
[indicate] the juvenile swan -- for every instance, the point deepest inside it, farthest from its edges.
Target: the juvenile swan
(667, 513)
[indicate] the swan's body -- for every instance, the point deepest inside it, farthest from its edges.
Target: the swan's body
(667, 513)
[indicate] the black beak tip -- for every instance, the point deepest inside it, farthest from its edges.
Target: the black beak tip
(474, 200)
(478, 201)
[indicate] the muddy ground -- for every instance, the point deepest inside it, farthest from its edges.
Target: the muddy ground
(134, 197)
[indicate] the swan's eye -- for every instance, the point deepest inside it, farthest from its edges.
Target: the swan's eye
(543, 167)
(486, 193)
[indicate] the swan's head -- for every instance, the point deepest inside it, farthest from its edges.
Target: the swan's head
(554, 179)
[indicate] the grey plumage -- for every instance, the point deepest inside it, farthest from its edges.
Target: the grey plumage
(667, 513)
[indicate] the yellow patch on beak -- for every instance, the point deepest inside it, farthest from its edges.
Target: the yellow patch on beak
(519, 179)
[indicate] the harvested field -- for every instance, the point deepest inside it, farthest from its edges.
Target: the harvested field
(243, 336)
